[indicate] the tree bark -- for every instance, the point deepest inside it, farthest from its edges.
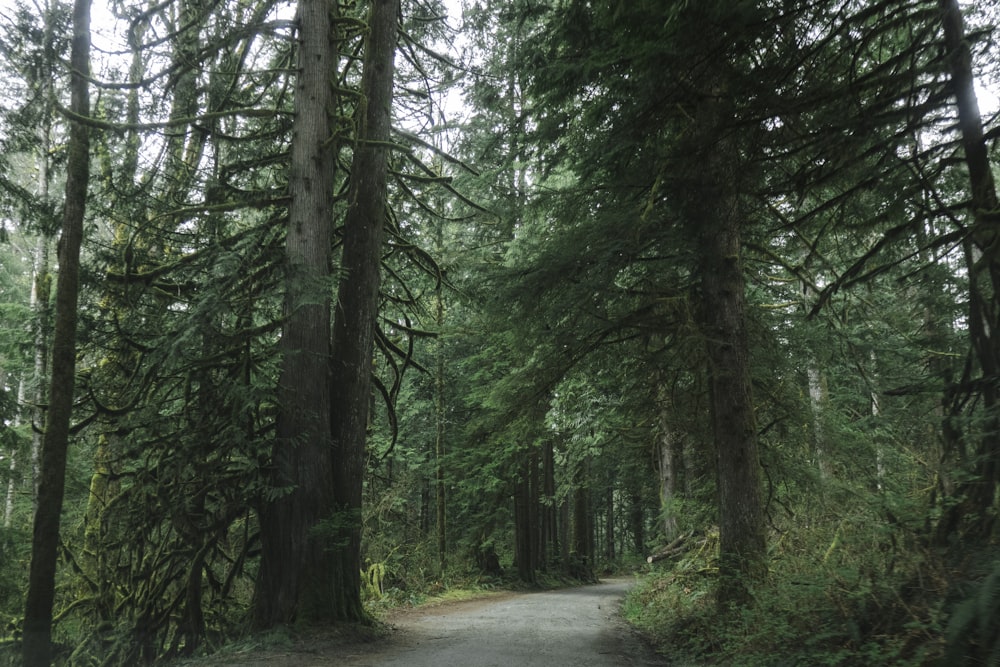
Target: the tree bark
(716, 214)
(741, 520)
(40, 306)
(668, 463)
(581, 555)
(295, 580)
(439, 417)
(609, 522)
(637, 518)
(37, 642)
(973, 513)
(549, 542)
(523, 527)
(358, 298)
(819, 400)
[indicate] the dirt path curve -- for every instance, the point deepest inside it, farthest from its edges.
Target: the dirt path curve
(576, 627)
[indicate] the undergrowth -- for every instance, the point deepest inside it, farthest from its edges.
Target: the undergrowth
(838, 594)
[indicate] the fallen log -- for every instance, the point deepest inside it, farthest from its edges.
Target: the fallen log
(671, 549)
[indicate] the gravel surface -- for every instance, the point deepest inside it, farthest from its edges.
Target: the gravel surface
(575, 627)
(578, 627)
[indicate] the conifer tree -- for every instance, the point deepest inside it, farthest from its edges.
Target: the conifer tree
(296, 580)
(37, 645)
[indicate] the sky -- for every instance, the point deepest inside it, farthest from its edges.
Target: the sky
(102, 26)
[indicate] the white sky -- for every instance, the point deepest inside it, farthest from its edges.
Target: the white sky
(103, 34)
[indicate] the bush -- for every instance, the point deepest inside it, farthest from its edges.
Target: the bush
(838, 595)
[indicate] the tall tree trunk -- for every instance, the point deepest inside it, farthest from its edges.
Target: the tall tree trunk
(582, 550)
(717, 217)
(741, 519)
(973, 515)
(819, 400)
(876, 412)
(37, 641)
(295, 580)
(439, 415)
(609, 522)
(637, 519)
(8, 506)
(668, 455)
(358, 298)
(549, 542)
(819, 397)
(40, 306)
(522, 523)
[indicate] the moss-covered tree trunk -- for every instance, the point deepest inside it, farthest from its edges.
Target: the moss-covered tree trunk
(37, 644)
(358, 300)
(742, 543)
(296, 579)
(715, 213)
(668, 455)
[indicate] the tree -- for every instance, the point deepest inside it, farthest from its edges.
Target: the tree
(296, 580)
(680, 177)
(45, 540)
(31, 53)
(977, 496)
(357, 307)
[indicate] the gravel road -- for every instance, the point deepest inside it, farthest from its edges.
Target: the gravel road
(577, 627)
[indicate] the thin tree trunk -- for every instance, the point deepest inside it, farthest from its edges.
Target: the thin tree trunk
(522, 524)
(637, 520)
(819, 398)
(534, 505)
(296, 579)
(668, 454)
(40, 308)
(41, 366)
(358, 297)
(582, 554)
(37, 640)
(609, 522)
(549, 543)
(439, 419)
(818, 401)
(8, 507)
(876, 411)
(565, 544)
(973, 513)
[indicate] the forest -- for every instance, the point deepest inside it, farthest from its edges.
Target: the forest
(313, 308)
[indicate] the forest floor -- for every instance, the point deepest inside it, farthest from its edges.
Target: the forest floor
(578, 627)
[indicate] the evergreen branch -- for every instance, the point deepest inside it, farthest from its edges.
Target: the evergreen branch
(174, 122)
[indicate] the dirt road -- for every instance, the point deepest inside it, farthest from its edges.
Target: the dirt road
(577, 627)
(574, 627)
